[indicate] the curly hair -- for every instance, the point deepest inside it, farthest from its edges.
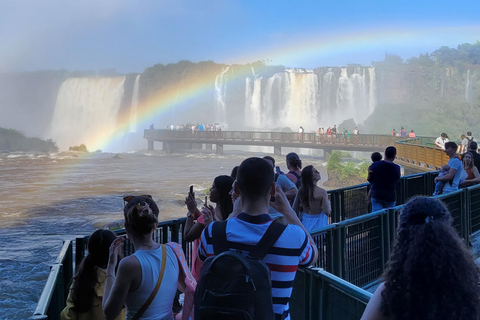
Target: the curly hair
(224, 186)
(308, 186)
(430, 274)
(84, 281)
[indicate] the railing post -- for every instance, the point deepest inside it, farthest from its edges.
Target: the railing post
(338, 257)
(80, 244)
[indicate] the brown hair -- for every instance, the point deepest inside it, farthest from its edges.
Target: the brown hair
(141, 214)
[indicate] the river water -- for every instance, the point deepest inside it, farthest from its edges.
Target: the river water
(48, 198)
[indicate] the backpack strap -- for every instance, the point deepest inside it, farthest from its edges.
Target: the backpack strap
(269, 238)
(219, 235)
(295, 174)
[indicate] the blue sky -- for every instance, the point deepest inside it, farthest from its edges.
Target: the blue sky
(132, 35)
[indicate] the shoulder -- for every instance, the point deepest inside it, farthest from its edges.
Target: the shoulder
(320, 191)
(284, 182)
(129, 264)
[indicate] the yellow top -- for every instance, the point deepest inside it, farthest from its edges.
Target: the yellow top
(96, 313)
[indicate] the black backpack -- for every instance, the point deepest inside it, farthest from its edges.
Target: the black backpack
(299, 179)
(233, 286)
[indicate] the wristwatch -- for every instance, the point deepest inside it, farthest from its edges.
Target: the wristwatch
(189, 214)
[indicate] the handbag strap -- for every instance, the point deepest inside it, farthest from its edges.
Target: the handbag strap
(147, 303)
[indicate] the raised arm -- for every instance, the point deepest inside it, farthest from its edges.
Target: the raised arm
(282, 205)
(118, 285)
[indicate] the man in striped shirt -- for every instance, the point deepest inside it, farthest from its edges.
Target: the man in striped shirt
(256, 185)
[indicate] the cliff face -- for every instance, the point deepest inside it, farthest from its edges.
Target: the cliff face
(429, 100)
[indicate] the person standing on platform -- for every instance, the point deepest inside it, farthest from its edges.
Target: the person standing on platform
(456, 168)
(472, 148)
(300, 134)
(383, 177)
(287, 186)
(403, 133)
(411, 134)
(440, 141)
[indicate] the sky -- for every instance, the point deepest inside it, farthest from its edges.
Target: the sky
(131, 35)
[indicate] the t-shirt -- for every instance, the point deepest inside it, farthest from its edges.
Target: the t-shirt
(285, 184)
(442, 142)
(454, 163)
(385, 175)
(291, 250)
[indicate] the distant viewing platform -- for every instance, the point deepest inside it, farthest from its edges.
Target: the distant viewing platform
(417, 152)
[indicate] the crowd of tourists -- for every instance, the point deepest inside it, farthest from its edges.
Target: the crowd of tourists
(403, 133)
(194, 127)
(251, 235)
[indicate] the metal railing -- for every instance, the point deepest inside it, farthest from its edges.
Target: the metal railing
(54, 294)
(279, 137)
(318, 294)
(421, 153)
(355, 248)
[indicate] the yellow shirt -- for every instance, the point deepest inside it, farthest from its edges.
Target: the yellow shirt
(96, 313)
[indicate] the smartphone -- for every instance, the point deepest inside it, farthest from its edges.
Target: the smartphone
(277, 169)
(206, 201)
(191, 189)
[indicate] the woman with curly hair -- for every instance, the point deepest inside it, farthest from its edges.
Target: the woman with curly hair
(430, 274)
(85, 297)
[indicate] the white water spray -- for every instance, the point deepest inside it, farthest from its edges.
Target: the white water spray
(86, 111)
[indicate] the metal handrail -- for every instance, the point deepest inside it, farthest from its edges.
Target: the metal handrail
(338, 258)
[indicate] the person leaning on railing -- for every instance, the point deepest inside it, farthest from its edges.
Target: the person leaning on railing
(84, 301)
(431, 274)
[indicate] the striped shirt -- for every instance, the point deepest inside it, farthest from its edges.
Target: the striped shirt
(290, 250)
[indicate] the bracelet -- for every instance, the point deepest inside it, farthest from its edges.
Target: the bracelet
(110, 275)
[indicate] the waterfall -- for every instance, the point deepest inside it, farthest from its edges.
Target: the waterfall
(344, 96)
(253, 102)
(86, 112)
(300, 99)
(134, 106)
(353, 99)
(220, 96)
(372, 92)
(467, 88)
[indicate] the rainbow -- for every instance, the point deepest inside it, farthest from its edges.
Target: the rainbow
(307, 47)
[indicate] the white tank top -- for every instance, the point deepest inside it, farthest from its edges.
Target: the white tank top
(161, 306)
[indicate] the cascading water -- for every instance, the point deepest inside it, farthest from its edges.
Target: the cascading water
(86, 111)
(134, 106)
(467, 88)
(372, 94)
(220, 96)
(299, 97)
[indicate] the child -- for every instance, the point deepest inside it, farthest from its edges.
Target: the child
(440, 184)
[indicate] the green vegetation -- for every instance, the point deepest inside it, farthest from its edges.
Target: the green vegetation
(430, 94)
(336, 166)
(13, 140)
